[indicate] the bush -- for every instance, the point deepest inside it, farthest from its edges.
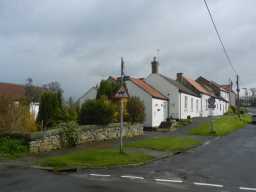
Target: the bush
(99, 111)
(12, 146)
(15, 117)
(70, 133)
(108, 88)
(135, 108)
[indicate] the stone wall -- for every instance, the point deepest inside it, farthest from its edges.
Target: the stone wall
(51, 140)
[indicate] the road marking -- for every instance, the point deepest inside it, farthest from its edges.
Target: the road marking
(247, 188)
(99, 175)
(132, 177)
(169, 180)
(208, 184)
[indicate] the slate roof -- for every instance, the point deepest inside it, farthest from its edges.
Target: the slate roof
(141, 83)
(181, 87)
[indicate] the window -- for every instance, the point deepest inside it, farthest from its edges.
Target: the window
(186, 103)
(192, 104)
(206, 104)
(197, 106)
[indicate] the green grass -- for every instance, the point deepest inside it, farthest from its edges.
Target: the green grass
(174, 144)
(222, 125)
(94, 158)
(11, 148)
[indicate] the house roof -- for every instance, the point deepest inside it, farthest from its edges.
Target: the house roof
(12, 90)
(197, 86)
(177, 84)
(141, 83)
(227, 87)
(219, 86)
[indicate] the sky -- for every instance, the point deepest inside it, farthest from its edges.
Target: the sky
(80, 42)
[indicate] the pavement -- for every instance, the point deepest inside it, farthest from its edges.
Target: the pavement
(221, 164)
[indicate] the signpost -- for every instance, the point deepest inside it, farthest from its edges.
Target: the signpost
(211, 106)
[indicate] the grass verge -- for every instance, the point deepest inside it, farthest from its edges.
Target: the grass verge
(173, 144)
(222, 125)
(94, 158)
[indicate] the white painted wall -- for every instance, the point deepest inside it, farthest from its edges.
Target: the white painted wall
(159, 111)
(176, 98)
(34, 109)
(204, 105)
(190, 106)
(155, 109)
(135, 91)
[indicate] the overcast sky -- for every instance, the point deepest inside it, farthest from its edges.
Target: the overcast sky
(79, 42)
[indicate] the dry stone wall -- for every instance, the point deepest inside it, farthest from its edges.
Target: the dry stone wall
(51, 140)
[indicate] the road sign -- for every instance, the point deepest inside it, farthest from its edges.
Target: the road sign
(211, 103)
(121, 93)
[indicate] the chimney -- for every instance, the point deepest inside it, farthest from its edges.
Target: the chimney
(155, 65)
(179, 77)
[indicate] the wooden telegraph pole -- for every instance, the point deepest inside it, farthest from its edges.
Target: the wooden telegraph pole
(238, 95)
(122, 108)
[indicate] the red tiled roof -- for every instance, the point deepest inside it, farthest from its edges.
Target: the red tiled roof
(228, 88)
(197, 86)
(12, 90)
(148, 88)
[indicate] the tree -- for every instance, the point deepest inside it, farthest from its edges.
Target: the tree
(135, 109)
(100, 111)
(50, 109)
(108, 88)
(32, 92)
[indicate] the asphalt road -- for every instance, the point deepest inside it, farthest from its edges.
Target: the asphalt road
(222, 164)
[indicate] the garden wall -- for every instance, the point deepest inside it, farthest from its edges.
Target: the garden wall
(51, 140)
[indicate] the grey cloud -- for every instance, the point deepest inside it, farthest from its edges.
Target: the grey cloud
(80, 42)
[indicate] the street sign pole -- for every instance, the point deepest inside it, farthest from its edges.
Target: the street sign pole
(211, 106)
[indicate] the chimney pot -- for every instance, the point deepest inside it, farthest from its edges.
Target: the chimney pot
(179, 76)
(155, 65)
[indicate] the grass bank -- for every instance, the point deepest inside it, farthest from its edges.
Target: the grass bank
(222, 125)
(94, 158)
(173, 144)
(12, 148)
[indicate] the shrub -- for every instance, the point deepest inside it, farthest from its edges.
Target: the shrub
(99, 111)
(12, 146)
(135, 108)
(70, 133)
(15, 117)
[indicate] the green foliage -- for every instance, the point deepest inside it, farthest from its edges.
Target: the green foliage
(135, 109)
(100, 111)
(32, 92)
(70, 133)
(12, 147)
(174, 144)
(50, 109)
(231, 110)
(95, 158)
(223, 125)
(108, 88)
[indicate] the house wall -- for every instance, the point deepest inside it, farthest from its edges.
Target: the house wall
(169, 91)
(159, 111)
(204, 105)
(34, 109)
(191, 107)
(135, 91)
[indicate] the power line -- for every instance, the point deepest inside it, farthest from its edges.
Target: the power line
(220, 39)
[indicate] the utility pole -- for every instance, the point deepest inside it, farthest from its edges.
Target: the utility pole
(121, 108)
(238, 96)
